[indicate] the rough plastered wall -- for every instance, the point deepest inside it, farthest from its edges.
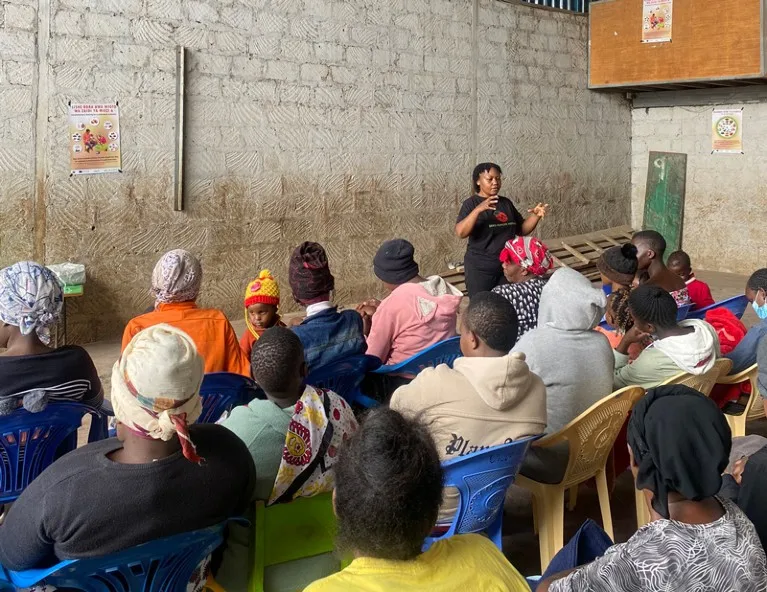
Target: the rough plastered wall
(346, 122)
(724, 210)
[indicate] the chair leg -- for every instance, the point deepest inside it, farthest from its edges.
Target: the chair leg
(573, 497)
(555, 510)
(535, 516)
(542, 520)
(604, 503)
(643, 512)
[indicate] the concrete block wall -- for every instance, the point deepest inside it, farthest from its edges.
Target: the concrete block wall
(342, 121)
(724, 212)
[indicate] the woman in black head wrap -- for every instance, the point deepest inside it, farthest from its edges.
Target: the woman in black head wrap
(679, 443)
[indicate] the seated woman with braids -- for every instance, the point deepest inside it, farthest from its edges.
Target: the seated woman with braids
(619, 318)
(679, 443)
(688, 346)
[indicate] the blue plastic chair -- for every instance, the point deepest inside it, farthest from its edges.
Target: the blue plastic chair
(683, 312)
(30, 442)
(221, 391)
(164, 565)
(482, 479)
(344, 378)
(736, 305)
(444, 352)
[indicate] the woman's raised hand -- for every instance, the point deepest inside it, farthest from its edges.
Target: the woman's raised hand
(488, 203)
(540, 210)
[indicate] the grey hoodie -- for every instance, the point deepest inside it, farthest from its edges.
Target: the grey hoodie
(575, 362)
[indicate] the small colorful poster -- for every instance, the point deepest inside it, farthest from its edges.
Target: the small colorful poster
(656, 21)
(94, 138)
(727, 131)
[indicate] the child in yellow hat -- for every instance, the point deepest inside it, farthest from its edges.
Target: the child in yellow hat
(262, 297)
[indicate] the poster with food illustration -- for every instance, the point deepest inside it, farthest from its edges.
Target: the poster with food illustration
(727, 131)
(94, 138)
(656, 21)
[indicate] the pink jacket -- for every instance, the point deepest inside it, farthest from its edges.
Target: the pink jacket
(413, 317)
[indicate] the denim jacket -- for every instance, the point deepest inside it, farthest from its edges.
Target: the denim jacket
(744, 354)
(330, 335)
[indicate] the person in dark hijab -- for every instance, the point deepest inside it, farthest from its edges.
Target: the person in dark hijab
(679, 443)
(745, 480)
(326, 334)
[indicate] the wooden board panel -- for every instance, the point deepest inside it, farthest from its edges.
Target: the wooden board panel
(664, 196)
(720, 40)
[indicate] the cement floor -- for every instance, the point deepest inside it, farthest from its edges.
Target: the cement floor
(520, 543)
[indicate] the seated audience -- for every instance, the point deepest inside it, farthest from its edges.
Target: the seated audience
(488, 398)
(679, 443)
(34, 373)
(277, 364)
(574, 361)
(388, 492)
(617, 266)
(326, 334)
(124, 491)
(744, 355)
(262, 299)
(418, 312)
(650, 248)
(745, 480)
(690, 346)
(176, 283)
(525, 261)
(700, 294)
(294, 418)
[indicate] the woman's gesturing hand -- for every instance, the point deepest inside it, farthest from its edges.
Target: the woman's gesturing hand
(540, 210)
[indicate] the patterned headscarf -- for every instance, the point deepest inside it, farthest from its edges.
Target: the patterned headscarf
(681, 442)
(31, 298)
(529, 253)
(156, 386)
(176, 277)
(309, 273)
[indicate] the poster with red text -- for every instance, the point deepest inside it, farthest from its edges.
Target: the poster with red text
(656, 21)
(94, 138)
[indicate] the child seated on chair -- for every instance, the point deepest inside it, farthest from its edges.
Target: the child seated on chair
(700, 293)
(387, 496)
(650, 249)
(162, 475)
(262, 299)
(293, 419)
(326, 334)
(690, 346)
(418, 312)
(489, 397)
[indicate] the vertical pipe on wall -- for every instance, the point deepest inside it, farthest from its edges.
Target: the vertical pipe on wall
(40, 143)
(178, 169)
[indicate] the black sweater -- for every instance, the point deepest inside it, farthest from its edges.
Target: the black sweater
(85, 505)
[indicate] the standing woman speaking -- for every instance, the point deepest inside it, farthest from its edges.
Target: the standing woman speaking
(489, 220)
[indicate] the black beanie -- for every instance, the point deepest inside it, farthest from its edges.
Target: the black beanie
(619, 264)
(394, 263)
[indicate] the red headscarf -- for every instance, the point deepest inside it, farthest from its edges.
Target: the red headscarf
(529, 253)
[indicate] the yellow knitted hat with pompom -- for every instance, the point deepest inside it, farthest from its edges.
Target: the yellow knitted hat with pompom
(263, 290)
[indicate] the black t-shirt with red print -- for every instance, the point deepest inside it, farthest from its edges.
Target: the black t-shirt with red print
(492, 230)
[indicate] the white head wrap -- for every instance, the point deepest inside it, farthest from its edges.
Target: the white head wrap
(176, 277)
(31, 298)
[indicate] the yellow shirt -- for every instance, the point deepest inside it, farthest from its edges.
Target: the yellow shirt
(458, 564)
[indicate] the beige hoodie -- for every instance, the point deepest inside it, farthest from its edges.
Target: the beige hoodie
(480, 402)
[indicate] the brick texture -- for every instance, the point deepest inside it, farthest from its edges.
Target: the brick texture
(346, 122)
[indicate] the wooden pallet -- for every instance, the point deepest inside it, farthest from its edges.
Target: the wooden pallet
(579, 252)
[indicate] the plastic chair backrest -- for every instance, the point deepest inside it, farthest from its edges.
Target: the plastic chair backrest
(736, 305)
(683, 312)
(591, 435)
(702, 382)
(444, 352)
(30, 442)
(164, 565)
(304, 527)
(345, 376)
(482, 479)
(750, 410)
(221, 391)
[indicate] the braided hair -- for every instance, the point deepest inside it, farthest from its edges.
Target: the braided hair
(653, 305)
(758, 280)
(618, 303)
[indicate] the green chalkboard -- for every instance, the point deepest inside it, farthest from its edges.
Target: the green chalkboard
(664, 196)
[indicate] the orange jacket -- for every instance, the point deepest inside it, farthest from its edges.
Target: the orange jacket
(209, 329)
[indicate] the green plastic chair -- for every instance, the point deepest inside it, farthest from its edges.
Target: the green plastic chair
(305, 527)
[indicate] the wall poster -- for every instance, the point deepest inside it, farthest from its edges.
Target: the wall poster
(94, 138)
(656, 21)
(727, 131)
